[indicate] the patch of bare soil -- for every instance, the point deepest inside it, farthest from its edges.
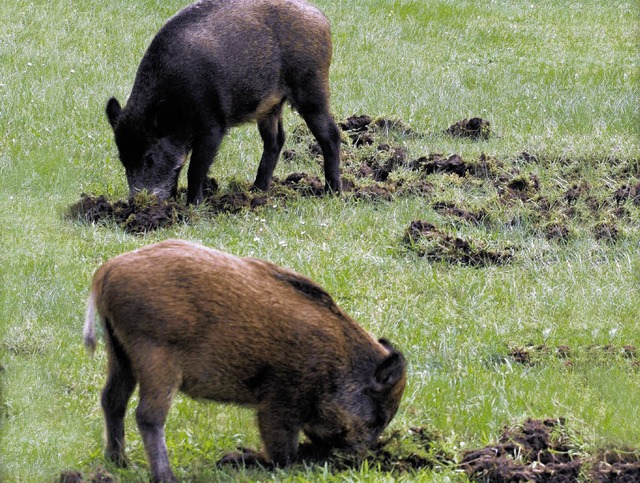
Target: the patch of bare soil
(431, 242)
(557, 231)
(520, 187)
(474, 128)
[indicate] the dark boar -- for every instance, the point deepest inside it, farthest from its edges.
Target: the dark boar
(214, 65)
(182, 317)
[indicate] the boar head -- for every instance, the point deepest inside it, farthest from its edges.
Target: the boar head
(151, 152)
(358, 413)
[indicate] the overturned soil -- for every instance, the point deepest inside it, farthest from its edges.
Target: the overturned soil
(542, 451)
(503, 194)
(533, 451)
(431, 242)
(537, 450)
(474, 128)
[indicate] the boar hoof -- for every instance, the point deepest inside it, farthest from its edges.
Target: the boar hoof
(118, 459)
(245, 457)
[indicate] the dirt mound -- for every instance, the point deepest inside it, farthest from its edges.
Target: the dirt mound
(615, 467)
(431, 242)
(541, 451)
(142, 214)
(536, 451)
(474, 128)
(628, 191)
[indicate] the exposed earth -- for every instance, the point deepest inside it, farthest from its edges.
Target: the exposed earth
(376, 167)
(534, 451)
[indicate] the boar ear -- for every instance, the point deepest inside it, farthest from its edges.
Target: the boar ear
(113, 111)
(389, 371)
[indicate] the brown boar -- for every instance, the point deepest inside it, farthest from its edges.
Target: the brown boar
(182, 317)
(217, 64)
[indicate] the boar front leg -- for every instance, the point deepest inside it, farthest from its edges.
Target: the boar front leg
(279, 430)
(205, 147)
(273, 136)
(280, 437)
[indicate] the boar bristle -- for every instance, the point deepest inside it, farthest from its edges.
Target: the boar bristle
(306, 287)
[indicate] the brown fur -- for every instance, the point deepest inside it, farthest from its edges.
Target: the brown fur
(181, 317)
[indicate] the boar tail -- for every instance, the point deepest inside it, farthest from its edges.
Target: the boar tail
(89, 332)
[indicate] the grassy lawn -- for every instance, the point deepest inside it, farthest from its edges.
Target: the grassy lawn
(552, 332)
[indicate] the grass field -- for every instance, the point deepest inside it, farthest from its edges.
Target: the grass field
(551, 333)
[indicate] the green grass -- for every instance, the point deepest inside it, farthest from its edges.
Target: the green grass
(557, 79)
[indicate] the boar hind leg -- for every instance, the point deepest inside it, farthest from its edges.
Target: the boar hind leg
(317, 116)
(159, 381)
(115, 396)
(205, 147)
(272, 134)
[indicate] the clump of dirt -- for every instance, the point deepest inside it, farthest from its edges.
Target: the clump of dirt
(400, 452)
(527, 355)
(303, 183)
(557, 231)
(527, 157)
(576, 191)
(628, 191)
(607, 232)
(356, 123)
(365, 123)
(438, 164)
(536, 451)
(522, 187)
(430, 242)
(100, 476)
(142, 214)
(474, 128)
(451, 209)
(380, 163)
(616, 467)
